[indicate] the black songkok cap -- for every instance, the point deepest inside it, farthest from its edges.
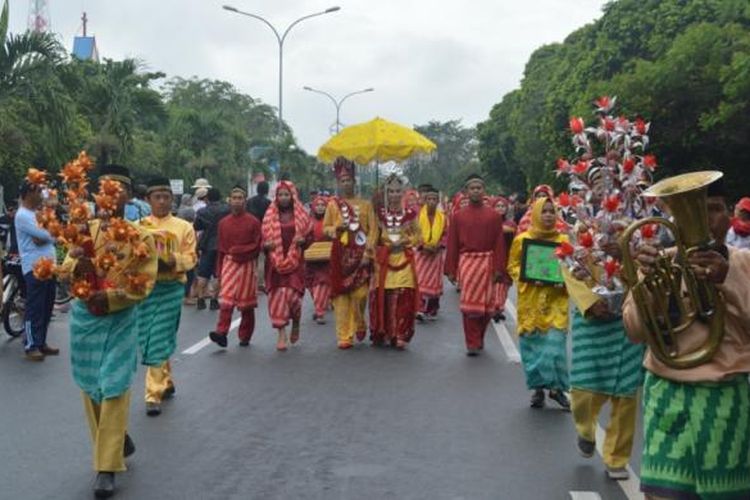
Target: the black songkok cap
(430, 189)
(474, 177)
(116, 173)
(159, 183)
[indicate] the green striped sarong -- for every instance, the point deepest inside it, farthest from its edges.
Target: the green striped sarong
(103, 351)
(158, 320)
(696, 441)
(604, 360)
(545, 359)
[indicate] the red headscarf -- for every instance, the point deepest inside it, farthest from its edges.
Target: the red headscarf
(318, 220)
(289, 262)
(742, 227)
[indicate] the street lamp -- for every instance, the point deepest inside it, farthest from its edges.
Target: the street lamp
(280, 38)
(339, 102)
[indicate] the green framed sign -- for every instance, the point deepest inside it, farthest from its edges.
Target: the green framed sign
(539, 264)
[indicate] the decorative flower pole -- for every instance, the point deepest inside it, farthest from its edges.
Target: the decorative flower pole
(606, 178)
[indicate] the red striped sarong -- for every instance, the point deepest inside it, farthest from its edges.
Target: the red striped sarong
(477, 282)
(430, 273)
(321, 294)
(501, 295)
(284, 305)
(239, 284)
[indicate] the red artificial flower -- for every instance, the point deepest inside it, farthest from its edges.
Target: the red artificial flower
(649, 161)
(628, 165)
(576, 200)
(577, 125)
(586, 239)
(564, 250)
(580, 167)
(648, 231)
(641, 127)
(563, 166)
(81, 289)
(611, 203)
(564, 200)
(611, 267)
(604, 103)
(608, 124)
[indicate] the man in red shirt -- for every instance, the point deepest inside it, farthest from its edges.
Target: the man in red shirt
(238, 247)
(476, 252)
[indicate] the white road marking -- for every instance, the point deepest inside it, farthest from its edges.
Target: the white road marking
(511, 351)
(630, 486)
(585, 495)
(207, 341)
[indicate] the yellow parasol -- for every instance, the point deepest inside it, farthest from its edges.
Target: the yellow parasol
(377, 140)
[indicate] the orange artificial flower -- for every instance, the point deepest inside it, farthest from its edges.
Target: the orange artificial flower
(36, 177)
(73, 173)
(110, 187)
(79, 212)
(106, 261)
(81, 289)
(55, 228)
(119, 230)
(105, 202)
(137, 283)
(141, 251)
(44, 269)
(71, 234)
(84, 161)
(45, 216)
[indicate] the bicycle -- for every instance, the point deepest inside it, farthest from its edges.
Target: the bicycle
(14, 296)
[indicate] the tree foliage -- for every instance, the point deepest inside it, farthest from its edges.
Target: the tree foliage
(682, 64)
(52, 106)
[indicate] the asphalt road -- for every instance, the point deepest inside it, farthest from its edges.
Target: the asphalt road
(311, 423)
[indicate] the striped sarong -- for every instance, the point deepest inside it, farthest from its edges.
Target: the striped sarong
(604, 360)
(477, 283)
(545, 359)
(103, 351)
(696, 439)
(158, 320)
(284, 305)
(239, 284)
(321, 295)
(430, 273)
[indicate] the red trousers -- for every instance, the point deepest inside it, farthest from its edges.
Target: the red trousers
(475, 325)
(247, 323)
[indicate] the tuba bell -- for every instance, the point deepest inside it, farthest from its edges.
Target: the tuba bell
(673, 297)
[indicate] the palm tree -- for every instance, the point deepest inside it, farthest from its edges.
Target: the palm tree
(21, 56)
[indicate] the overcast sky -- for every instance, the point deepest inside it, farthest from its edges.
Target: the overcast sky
(426, 59)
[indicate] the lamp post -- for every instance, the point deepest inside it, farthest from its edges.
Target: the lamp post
(338, 102)
(280, 38)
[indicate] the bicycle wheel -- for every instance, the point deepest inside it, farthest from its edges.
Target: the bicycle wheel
(14, 308)
(62, 294)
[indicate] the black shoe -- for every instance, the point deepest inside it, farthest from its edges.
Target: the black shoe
(420, 317)
(498, 317)
(560, 398)
(219, 339)
(153, 409)
(472, 353)
(586, 448)
(168, 392)
(537, 399)
(214, 305)
(244, 343)
(104, 486)
(201, 304)
(129, 447)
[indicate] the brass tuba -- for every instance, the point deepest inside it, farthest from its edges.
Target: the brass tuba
(673, 297)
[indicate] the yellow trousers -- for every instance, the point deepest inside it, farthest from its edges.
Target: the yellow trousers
(349, 310)
(108, 422)
(158, 380)
(618, 443)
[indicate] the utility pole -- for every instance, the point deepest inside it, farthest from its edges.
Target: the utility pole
(39, 20)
